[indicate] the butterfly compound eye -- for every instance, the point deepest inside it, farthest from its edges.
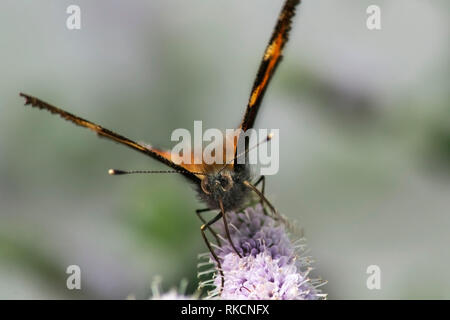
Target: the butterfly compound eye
(205, 186)
(226, 182)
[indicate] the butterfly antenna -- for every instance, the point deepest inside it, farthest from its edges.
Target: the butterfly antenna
(116, 172)
(267, 139)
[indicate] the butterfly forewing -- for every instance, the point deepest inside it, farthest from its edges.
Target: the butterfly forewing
(271, 58)
(106, 133)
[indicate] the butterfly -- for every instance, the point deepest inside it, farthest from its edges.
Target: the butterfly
(224, 187)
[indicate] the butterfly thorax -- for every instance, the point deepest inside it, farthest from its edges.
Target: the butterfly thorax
(226, 186)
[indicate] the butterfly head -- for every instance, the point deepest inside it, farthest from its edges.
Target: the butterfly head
(224, 186)
(216, 183)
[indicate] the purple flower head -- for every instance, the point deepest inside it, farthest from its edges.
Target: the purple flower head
(263, 277)
(271, 267)
(254, 232)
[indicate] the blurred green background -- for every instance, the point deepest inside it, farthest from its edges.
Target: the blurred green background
(364, 122)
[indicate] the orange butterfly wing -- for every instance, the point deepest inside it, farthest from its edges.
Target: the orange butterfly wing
(106, 133)
(198, 166)
(271, 59)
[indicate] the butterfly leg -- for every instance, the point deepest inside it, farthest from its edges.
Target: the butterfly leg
(264, 199)
(198, 212)
(263, 180)
(227, 231)
(208, 244)
(260, 179)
